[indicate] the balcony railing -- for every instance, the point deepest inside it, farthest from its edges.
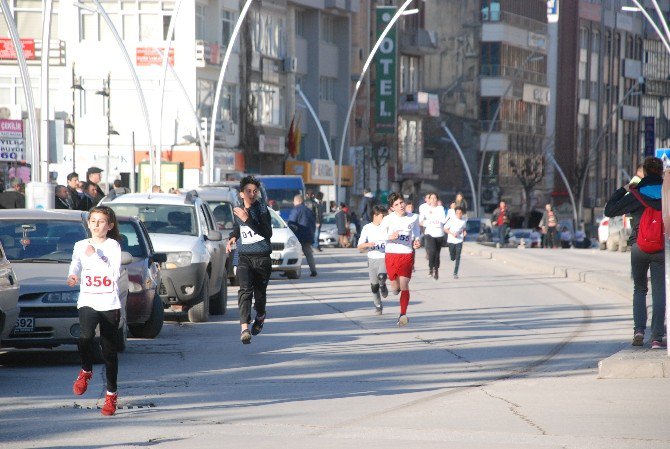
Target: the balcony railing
(514, 20)
(503, 126)
(512, 72)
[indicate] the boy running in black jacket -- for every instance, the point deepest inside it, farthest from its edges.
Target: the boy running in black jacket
(252, 230)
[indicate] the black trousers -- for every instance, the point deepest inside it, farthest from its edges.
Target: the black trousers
(455, 254)
(433, 248)
(254, 272)
(108, 320)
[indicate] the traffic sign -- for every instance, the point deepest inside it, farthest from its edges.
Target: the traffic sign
(664, 155)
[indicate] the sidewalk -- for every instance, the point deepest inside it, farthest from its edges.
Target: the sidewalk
(603, 269)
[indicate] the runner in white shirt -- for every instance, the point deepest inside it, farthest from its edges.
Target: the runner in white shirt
(96, 267)
(433, 218)
(456, 232)
(373, 240)
(403, 234)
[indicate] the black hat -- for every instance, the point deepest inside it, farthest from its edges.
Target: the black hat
(93, 170)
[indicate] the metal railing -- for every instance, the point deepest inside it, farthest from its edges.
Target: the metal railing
(503, 126)
(515, 20)
(505, 71)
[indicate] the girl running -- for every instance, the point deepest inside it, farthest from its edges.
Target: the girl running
(373, 240)
(402, 230)
(96, 267)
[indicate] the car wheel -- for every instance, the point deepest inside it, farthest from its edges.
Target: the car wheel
(218, 304)
(199, 313)
(153, 325)
(293, 274)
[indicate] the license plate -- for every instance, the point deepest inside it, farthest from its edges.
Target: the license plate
(24, 324)
(275, 255)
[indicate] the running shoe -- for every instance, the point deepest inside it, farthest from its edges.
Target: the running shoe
(435, 275)
(383, 290)
(245, 336)
(81, 384)
(430, 273)
(395, 292)
(110, 404)
(379, 310)
(658, 344)
(403, 320)
(257, 327)
(455, 276)
(638, 338)
(312, 274)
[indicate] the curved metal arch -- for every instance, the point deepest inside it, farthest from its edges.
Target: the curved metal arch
(381, 38)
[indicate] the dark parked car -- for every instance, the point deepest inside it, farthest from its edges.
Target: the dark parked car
(144, 308)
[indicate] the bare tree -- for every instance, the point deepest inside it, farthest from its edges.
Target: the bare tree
(529, 174)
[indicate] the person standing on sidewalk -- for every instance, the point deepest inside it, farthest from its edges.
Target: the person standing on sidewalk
(432, 218)
(302, 222)
(96, 267)
(500, 218)
(644, 203)
(402, 230)
(373, 240)
(252, 230)
(313, 204)
(365, 209)
(549, 223)
(456, 233)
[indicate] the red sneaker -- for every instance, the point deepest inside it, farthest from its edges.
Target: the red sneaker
(81, 384)
(110, 404)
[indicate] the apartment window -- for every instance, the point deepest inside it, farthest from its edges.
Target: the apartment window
(328, 29)
(136, 19)
(199, 21)
(490, 58)
(595, 42)
(409, 74)
(228, 19)
(300, 23)
(267, 100)
(327, 88)
(229, 103)
(583, 38)
(268, 34)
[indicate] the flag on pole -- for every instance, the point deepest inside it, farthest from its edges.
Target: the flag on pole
(290, 142)
(297, 137)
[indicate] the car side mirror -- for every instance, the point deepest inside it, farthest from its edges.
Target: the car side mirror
(159, 257)
(214, 236)
(126, 258)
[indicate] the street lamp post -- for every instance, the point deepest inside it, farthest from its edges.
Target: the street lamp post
(401, 11)
(475, 199)
(106, 95)
(531, 57)
(76, 86)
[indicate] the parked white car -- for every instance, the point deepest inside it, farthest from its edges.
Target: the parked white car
(9, 295)
(613, 233)
(183, 227)
(286, 250)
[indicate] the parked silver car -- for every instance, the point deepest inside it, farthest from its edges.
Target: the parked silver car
(9, 295)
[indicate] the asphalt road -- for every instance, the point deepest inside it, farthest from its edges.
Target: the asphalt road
(500, 358)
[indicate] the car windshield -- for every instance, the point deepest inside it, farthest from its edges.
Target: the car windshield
(161, 218)
(130, 239)
(40, 240)
(328, 219)
(283, 197)
(223, 213)
(472, 226)
(277, 221)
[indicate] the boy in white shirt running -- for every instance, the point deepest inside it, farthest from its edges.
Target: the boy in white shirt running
(433, 218)
(402, 230)
(373, 240)
(455, 229)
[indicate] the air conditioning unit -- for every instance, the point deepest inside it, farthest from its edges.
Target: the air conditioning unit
(490, 195)
(290, 65)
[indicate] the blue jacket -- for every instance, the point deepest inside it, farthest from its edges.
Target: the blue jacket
(302, 222)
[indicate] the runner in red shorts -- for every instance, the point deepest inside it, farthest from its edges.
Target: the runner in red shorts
(403, 233)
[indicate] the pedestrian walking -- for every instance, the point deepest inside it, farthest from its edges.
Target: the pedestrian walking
(302, 222)
(365, 209)
(252, 229)
(647, 242)
(500, 218)
(321, 208)
(461, 201)
(74, 197)
(313, 204)
(12, 198)
(455, 229)
(96, 267)
(549, 223)
(402, 230)
(94, 176)
(342, 223)
(373, 240)
(61, 197)
(433, 218)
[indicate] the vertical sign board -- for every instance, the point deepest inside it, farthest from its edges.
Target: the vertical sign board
(12, 143)
(385, 70)
(649, 136)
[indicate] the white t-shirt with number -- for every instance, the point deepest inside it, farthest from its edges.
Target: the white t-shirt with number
(98, 274)
(373, 233)
(433, 219)
(407, 227)
(249, 236)
(457, 226)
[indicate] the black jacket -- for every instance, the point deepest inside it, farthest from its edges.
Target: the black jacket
(621, 202)
(367, 204)
(11, 199)
(60, 203)
(75, 198)
(260, 222)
